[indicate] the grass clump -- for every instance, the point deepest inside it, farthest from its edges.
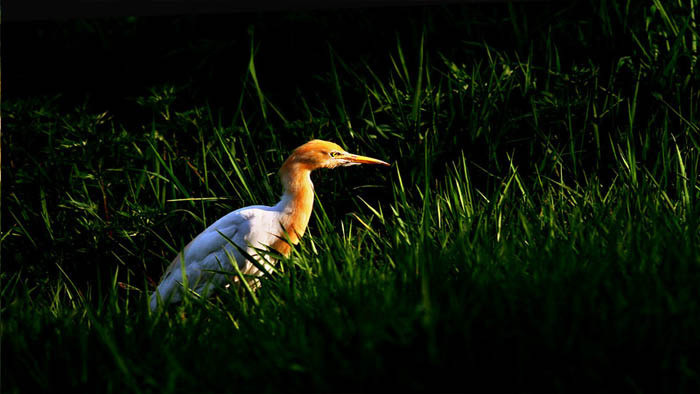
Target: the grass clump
(538, 230)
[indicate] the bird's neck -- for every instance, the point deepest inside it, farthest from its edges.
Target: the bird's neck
(296, 204)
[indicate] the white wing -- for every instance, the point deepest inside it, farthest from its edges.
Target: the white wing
(249, 228)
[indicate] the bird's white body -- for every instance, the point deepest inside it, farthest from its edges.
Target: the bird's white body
(254, 228)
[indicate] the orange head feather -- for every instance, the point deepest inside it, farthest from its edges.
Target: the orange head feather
(317, 154)
(295, 174)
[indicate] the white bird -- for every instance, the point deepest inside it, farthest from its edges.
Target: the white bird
(254, 228)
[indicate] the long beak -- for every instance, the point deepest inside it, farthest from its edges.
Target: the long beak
(357, 159)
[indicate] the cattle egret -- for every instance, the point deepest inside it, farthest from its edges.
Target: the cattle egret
(254, 228)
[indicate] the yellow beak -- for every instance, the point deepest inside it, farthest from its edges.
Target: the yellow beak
(357, 159)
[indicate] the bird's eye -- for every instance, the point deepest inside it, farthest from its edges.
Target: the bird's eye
(334, 154)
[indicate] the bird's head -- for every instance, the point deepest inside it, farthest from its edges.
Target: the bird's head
(317, 154)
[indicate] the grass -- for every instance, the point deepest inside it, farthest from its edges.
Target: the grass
(538, 230)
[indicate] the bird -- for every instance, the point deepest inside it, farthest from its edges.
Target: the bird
(209, 256)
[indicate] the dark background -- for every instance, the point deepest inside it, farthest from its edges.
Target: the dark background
(112, 60)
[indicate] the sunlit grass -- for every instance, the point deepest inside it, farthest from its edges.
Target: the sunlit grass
(538, 229)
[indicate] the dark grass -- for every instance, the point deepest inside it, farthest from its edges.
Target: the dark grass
(537, 232)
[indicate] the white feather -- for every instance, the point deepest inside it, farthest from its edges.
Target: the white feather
(250, 228)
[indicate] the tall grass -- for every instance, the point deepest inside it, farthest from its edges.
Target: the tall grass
(538, 229)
